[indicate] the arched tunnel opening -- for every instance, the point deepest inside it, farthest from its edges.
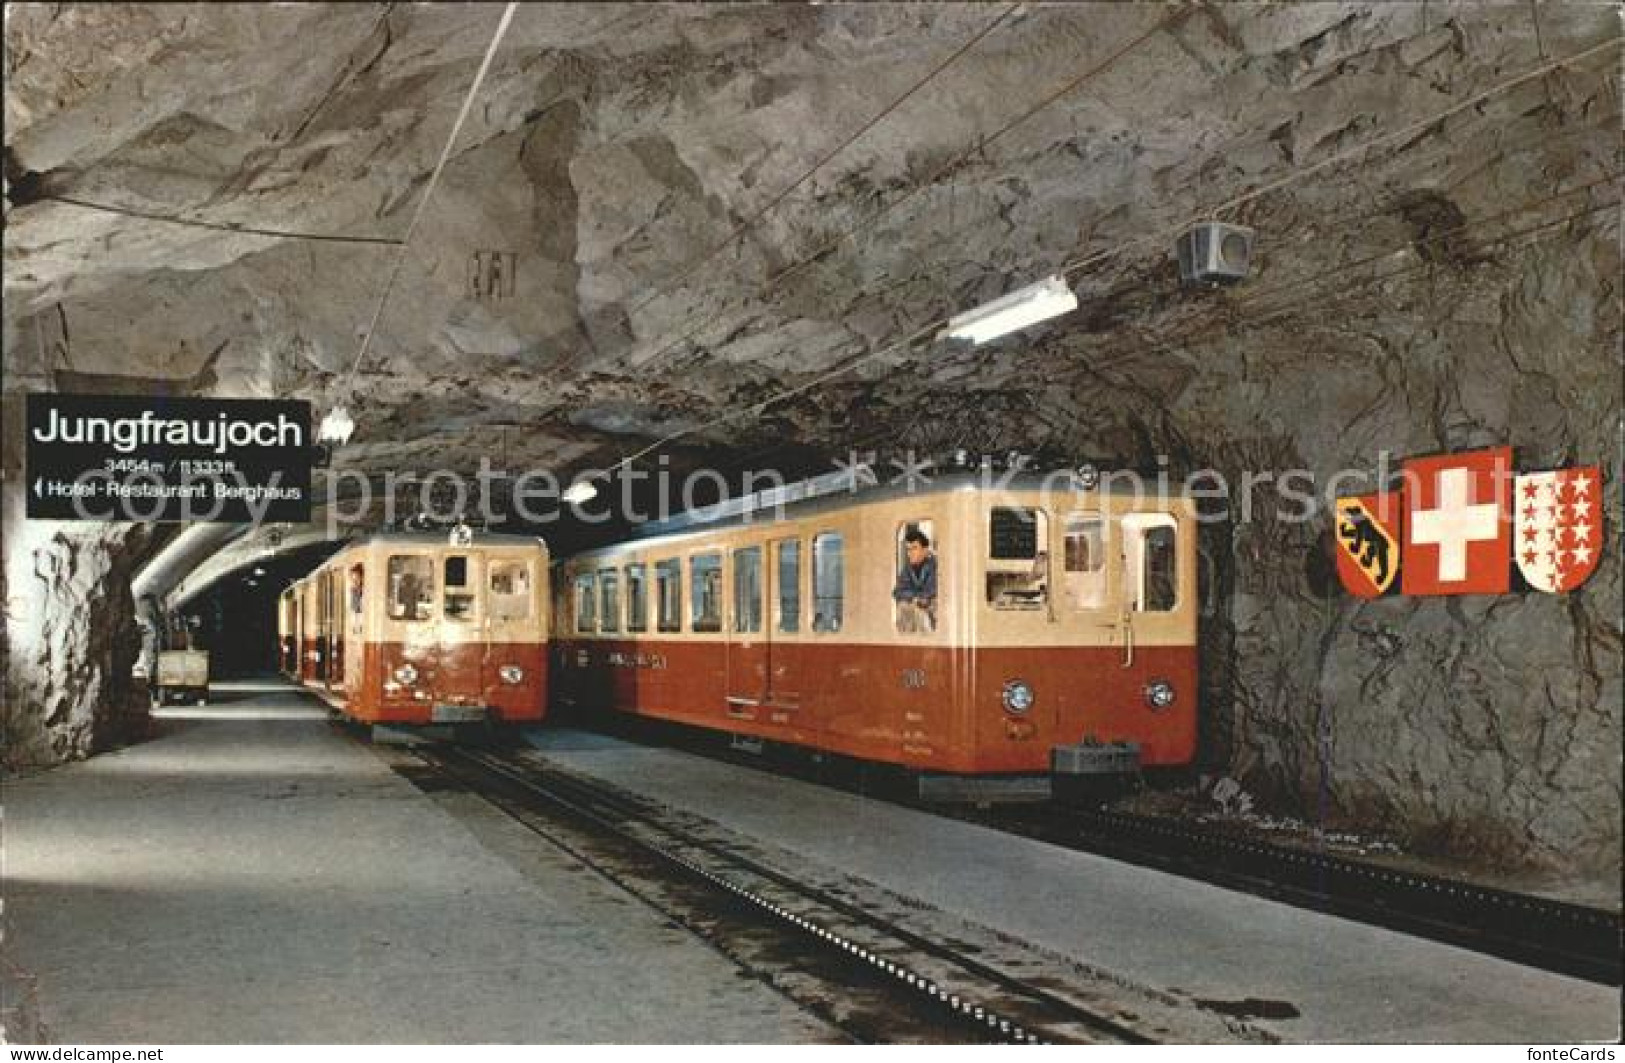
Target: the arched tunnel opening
(1226, 397)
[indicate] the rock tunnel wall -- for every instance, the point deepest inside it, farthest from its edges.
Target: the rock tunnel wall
(70, 633)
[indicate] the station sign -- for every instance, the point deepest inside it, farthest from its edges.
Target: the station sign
(121, 457)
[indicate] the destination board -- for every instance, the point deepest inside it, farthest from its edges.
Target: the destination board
(120, 457)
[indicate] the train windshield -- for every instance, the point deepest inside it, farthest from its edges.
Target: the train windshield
(1083, 574)
(411, 588)
(1017, 558)
(509, 583)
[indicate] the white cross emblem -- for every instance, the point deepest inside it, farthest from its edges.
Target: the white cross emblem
(1454, 524)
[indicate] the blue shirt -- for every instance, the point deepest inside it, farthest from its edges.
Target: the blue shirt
(916, 582)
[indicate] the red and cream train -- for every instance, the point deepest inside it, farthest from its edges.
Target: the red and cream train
(1061, 638)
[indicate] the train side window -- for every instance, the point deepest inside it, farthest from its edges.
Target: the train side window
(411, 588)
(748, 590)
(829, 581)
(705, 590)
(637, 598)
(586, 603)
(1017, 558)
(358, 583)
(1083, 576)
(609, 598)
(789, 558)
(1150, 561)
(669, 595)
(509, 582)
(459, 591)
(914, 591)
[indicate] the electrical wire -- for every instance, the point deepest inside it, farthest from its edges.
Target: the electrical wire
(428, 191)
(880, 116)
(230, 227)
(867, 224)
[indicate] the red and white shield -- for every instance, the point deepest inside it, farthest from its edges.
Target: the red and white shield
(1458, 523)
(1559, 527)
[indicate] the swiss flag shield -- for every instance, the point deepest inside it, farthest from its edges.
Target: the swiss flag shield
(1558, 533)
(1458, 531)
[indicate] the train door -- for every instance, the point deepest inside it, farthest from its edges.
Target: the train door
(748, 646)
(324, 625)
(338, 623)
(460, 675)
(784, 664)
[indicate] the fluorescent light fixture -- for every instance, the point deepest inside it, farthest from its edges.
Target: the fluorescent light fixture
(1050, 297)
(336, 427)
(579, 492)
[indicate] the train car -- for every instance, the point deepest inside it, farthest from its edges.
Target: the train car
(419, 628)
(962, 632)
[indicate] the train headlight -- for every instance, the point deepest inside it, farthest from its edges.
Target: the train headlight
(406, 675)
(1017, 697)
(1159, 694)
(511, 674)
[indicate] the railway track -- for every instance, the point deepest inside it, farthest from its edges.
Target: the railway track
(1571, 939)
(936, 989)
(1566, 938)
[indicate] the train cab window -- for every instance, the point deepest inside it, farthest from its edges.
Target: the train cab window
(669, 595)
(509, 583)
(1149, 561)
(748, 590)
(705, 589)
(789, 558)
(914, 591)
(358, 583)
(609, 598)
(459, 591)
(829, 581)
(1083, 571)
(586, 603)
(637, 598)
(1017, 558)
(411, 588)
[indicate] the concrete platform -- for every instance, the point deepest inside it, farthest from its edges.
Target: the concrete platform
(253, 875)
(1349, 982)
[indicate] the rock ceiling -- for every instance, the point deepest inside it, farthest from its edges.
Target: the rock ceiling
(693, 209)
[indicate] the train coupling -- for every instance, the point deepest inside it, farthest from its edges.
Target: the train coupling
(1095, 759)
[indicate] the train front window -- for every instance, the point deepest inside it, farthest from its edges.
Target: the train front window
(748, 590)
(1017, 558)
(789, 554)
(586, 602)
(705, 575)
(669, 595)
(358, 582)
(509, 583)
(609, 596)
(1150, 561)
(1083, 574)
(637, 598)
(829, 581)
(411, 588)
(459, 592)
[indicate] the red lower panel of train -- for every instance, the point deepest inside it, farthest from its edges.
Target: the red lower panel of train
(926, 707)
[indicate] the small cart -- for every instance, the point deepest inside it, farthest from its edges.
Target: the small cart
(182, 675)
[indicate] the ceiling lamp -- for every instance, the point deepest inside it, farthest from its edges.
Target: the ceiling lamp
(337, 427)
(579, 492)
(1050, 297)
